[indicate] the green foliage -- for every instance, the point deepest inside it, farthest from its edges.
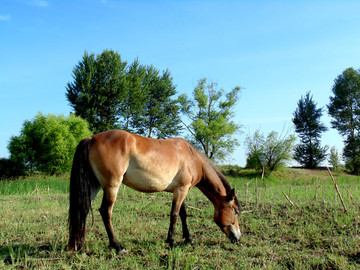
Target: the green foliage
(110, 94)
(310, 155)
(47, 143)
(269, 153)
(98, 87)
(9, 168)
(210, 113)
(159, 114)
(334, 159)
(309, 152)
(344, 108)
(135, 97)
(231, 170)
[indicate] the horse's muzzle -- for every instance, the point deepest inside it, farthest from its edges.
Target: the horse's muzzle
(233, 239)
(234, 235)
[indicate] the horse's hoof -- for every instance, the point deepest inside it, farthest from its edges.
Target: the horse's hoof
(123, 252)
(170, 242)
(116, 246)
(189, 241)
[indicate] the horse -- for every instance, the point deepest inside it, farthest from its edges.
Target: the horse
(111, 158)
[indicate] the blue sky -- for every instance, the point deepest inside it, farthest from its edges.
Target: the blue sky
(275, 50)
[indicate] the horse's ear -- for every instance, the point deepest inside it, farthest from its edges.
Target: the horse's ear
(231, 195)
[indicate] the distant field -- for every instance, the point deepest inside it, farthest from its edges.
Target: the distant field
(313, 233)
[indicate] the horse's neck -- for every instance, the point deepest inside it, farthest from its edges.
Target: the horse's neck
(212, 186)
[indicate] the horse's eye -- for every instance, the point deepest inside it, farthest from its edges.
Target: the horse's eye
(236, 212)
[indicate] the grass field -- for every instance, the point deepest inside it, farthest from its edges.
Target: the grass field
(313, 233)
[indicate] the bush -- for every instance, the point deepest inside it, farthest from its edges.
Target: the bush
(47, 143)
(334, 159)
(271, 152)
(231, 170)
(9, 168)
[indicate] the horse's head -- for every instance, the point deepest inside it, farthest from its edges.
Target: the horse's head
(225, 217)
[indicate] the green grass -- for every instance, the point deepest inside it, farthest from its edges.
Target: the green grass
(27, 185)
(313, 234)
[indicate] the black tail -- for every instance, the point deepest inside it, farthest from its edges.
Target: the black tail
(80, 194)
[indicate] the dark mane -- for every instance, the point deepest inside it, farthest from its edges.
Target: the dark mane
(222, 177)
(224, 181)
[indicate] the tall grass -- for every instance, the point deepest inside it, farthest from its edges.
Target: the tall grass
(28, 185)
(315, 233)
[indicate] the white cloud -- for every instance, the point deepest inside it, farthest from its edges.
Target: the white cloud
(5, 17)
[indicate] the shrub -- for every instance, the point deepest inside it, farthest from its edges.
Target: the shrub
(9, 168)
(47, 143)
(271, 152)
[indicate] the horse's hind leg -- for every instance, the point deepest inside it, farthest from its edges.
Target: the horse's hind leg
(106, 209)
(183, 216)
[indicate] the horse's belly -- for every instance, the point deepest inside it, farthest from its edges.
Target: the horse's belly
(144, 181)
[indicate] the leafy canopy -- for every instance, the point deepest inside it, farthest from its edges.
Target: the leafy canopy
(210, 112)
(97, 89)
(334, 158)
(344, 108)
(269, 153)
(159, 114)
(110, 94)
(47, 143)
(308, 126)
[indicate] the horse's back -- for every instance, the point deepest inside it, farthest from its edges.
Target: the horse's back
(145, 164)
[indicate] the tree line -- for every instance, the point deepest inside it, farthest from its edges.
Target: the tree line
(106, 92)
(343, 107)
(109, 93)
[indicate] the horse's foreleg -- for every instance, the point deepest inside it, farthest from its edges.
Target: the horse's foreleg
(177, 202)
(183, 216)
(106, 209)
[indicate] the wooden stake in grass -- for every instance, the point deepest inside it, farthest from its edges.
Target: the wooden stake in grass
(49, 192)
(337, 190)
(123, 193)
(323, 192)
(262, 182)
(256, 193)
(315, 188)
(246, 190)
(191, 207)
(288, 199)
(36, 193)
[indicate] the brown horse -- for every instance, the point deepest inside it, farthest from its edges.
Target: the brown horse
(148, 165)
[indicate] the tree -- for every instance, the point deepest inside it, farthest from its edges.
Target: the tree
(159, 115)
(269, 153)
(135, 97)
(109, 94)
(47, 143)
(98, 87)
(210, 113)
(256, 153)
(309, 152)
(344, 108)
(334, 159)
